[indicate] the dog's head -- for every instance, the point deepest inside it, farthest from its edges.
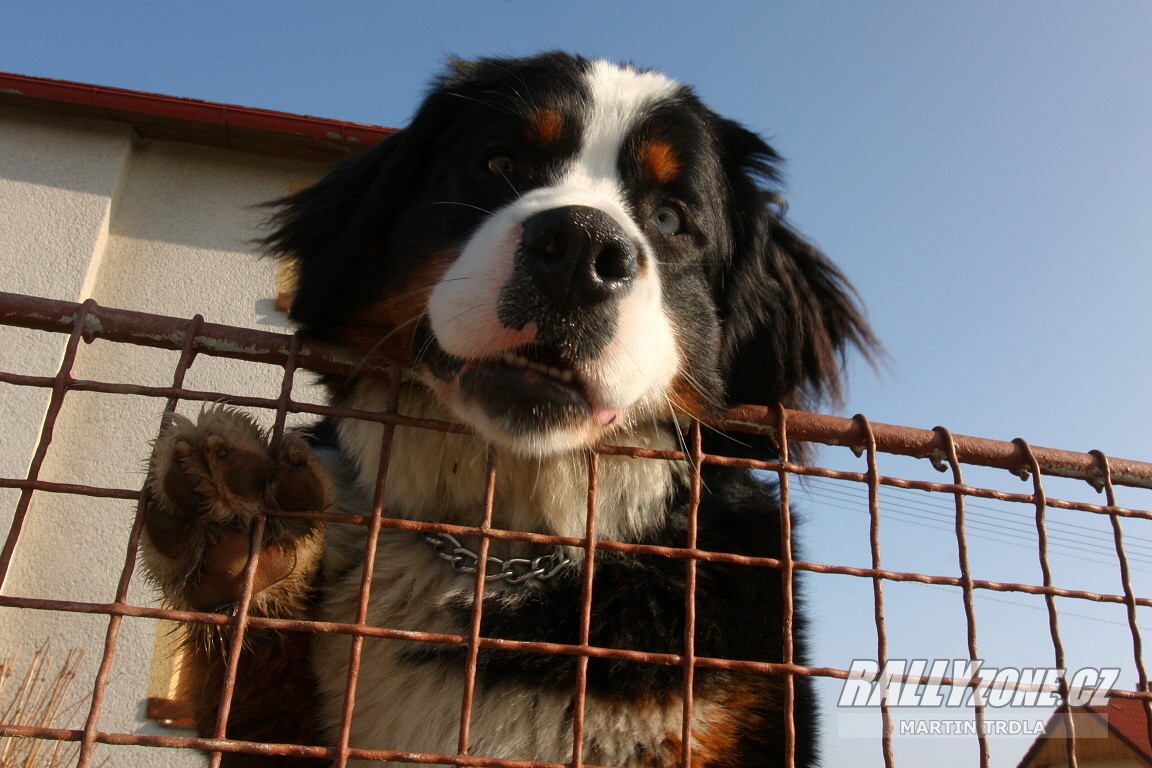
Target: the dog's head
(559, 248)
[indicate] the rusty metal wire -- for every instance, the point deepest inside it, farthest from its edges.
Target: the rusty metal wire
(787, 577)
(967, 581)
(1129, 596)
(193, 338)
(873, 475)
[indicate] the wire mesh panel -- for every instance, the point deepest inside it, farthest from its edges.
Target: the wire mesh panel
(898, 603)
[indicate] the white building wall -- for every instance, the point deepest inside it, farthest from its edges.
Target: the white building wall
(57, 182)
(86, 211)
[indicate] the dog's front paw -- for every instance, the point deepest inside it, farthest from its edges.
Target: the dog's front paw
(209, 481)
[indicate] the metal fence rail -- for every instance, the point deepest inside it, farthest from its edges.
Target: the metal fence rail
(194, 337)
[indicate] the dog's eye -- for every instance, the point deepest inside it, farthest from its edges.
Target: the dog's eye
(502, 165)
(667, 220)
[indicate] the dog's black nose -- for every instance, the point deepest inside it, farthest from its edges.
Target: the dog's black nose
(577, 256)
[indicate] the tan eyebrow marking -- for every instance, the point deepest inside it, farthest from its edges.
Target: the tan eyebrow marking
(545, 126)
(661, 161)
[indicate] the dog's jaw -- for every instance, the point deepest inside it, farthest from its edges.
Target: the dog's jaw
(442, 476)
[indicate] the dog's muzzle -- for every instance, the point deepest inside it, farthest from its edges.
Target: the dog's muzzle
(573, 267)
(561, 362)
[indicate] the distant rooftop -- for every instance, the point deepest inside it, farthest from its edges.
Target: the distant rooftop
(1122, 720)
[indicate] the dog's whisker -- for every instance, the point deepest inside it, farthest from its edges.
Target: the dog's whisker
(463, 205)
(679, 433)
(483, 102)
(367, 354)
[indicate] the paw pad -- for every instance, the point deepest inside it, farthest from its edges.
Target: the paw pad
(210, 480)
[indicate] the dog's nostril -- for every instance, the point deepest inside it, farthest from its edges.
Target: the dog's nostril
(544, 239)
(555, 248)
(616, 262)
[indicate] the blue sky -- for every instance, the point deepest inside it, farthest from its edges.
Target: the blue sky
(982, 171)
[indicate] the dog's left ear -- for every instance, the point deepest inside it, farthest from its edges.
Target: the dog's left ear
(788, 315)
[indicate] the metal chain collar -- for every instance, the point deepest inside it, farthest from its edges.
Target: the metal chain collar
(516, 570)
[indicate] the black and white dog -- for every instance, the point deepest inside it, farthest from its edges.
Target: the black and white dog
(558, 253)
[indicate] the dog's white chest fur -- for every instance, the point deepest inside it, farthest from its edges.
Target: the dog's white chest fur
(415, 706)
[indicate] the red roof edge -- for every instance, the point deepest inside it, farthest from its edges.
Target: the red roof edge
(1128, 719)
(120, 103)
(1125, 718)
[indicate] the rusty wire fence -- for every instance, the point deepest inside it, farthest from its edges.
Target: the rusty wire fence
(949, 454)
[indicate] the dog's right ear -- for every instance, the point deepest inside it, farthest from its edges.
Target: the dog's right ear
(333, 232)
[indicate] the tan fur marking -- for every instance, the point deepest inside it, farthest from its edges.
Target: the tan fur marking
(384, 329)
(661, 161)
(545, 126)
(687, 399)
(717, 741)
(275, 693)
(667, 755)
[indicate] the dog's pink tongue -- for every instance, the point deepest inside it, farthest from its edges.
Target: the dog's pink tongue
(606, 416)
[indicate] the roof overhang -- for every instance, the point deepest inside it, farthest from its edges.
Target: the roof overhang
(155, 116)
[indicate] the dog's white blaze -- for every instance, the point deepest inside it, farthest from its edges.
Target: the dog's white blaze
(620, 98)
(640, 361)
